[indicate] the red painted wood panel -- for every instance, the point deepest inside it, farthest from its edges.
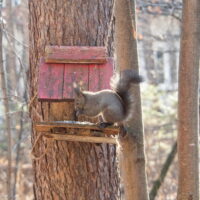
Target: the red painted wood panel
(56, 80)
(75, 73)
(106, 72)
(75, 54)
(94, 76)
(50, 81)
(99, 75)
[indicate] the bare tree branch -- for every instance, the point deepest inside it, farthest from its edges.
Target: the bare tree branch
(22, 67)
(13, 37)
(172, 9)
(17, 159)
(163, 173)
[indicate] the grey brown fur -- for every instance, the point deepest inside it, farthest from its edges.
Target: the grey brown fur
(114, 106)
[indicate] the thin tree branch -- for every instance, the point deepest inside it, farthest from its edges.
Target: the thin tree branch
(19, 59)
(13, 37)
(163, 173)
(18, 152)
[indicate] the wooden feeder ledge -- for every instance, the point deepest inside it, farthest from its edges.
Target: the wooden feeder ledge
(77, 131)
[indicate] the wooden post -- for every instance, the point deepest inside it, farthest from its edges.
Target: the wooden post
(132, 158)
(188, 103)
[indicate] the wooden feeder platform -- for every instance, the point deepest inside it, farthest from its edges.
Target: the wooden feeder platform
(77, 131)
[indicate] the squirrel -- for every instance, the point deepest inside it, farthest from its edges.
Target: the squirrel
(113, 105)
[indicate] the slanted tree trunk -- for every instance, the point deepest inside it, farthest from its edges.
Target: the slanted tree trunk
(69, 170)
(165, 168)
(188, 123)
(132, 158)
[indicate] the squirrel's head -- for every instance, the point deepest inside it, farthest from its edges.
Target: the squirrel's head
(79, 100)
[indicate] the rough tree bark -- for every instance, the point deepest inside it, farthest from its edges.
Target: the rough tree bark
(69, 170)
(188, 123)
(132, 158)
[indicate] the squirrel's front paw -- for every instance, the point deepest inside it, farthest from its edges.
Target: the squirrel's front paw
(104, 124)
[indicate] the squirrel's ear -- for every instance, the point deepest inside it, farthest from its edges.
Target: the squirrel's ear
(77, 89)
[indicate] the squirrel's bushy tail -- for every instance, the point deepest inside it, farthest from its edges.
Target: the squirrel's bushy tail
(121, 83)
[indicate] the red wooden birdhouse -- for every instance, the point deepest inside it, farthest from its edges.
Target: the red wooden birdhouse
(62, 66)
(59, 69)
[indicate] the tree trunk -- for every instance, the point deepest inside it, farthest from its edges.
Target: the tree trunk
(132, 158)
(7, 115)
(11, 64)
(188, 183)
(69, 170)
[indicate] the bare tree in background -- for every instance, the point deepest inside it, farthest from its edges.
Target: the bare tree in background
(14, 92)
(188, 106)
(7, 112)
(11, 64)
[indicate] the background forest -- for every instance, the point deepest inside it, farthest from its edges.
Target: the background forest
(158, 23)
